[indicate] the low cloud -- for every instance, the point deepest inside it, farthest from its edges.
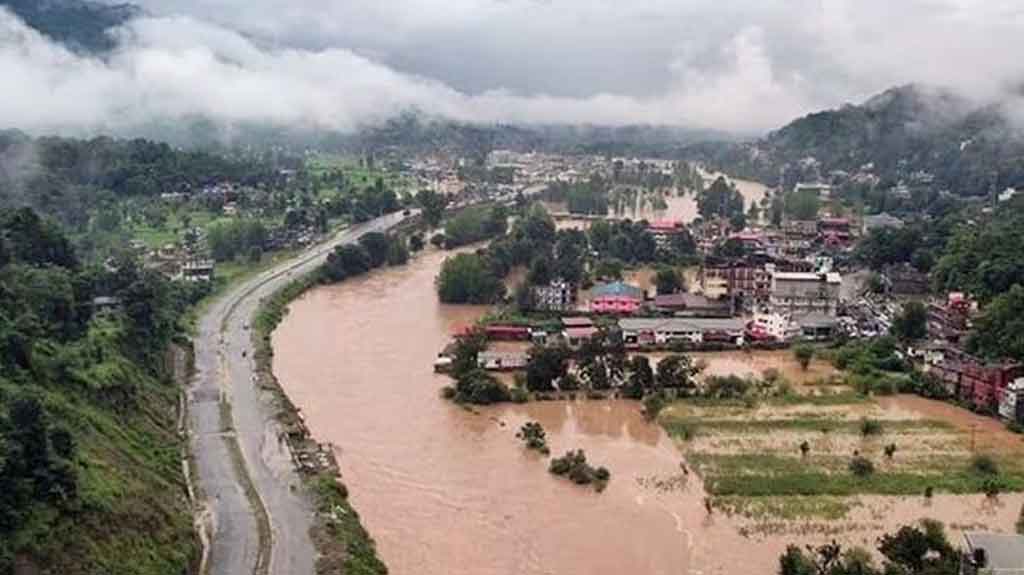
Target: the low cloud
(746, 67)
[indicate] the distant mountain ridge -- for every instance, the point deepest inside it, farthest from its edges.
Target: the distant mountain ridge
(909, 133)
(82, 25)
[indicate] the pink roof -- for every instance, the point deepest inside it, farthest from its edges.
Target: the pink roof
(664, 225)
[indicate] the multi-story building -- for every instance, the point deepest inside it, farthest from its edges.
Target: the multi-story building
(746, 282)
(798, 292)
(556, 296)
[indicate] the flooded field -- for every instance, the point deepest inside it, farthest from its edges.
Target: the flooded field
(446, 490)
(681, 207)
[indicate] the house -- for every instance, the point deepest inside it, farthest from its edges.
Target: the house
(801, 292)
(823, 191)
(880, 222)
(800, 228)
(501, 361)
(746, 282)
(692, 305)
(751, 241)
(576, 330)
(197, 271)
(1011, 407)
(643, 331)
(817, 326)
(992, 553)
(664, 230)
(950, 321)
(905, 280)
(616, 298)
(975, 381)
(105, 305)
(556, 296)
(498, 332)
(772, 327)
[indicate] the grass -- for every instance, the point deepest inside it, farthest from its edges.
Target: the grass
(751, 464)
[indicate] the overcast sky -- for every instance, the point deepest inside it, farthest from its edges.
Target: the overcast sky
(738, 65)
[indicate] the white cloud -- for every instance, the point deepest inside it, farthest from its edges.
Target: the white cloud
(742, 65)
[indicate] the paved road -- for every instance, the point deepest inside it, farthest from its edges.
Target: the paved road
(224, 371)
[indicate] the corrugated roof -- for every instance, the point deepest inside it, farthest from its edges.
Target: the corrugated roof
(618, 289)
(678, 324)
(1005, 553)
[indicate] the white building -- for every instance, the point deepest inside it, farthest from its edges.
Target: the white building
(823, 191)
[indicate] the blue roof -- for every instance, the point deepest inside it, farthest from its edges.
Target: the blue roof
(619, 289)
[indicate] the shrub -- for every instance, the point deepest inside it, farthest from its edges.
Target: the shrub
(653, 404)
(448, 392)
(890, 450)
(574, 466)
(861, 466)
(984, 465)
(534, 436)
(991, 487)
(602, 474)
(870, 427)
(519, 395)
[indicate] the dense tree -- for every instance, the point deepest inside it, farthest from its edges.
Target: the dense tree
(677, 372)
(231, 238)
(346, 261)
(640, 378)
(668, 281)
(803, 354)
(721, 200)
(997, 333)
(467, 278)
(433, 205)
(546, 365)
(377, 246)
(912, 323)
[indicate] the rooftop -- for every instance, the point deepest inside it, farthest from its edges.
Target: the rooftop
(1004, 553)
(679, 324)
(618, 289)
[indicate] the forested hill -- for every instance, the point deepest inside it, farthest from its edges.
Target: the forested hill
(90, 473)
(79, 24)
(911, 134)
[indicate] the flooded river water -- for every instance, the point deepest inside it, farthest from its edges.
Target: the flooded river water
(449, 491)
(445, 490)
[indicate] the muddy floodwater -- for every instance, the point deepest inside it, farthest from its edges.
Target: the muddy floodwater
(448, 491)
(444, 490)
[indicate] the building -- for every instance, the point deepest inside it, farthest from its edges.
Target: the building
(105, 304)
(498, 332)
(692, 305)
(197, 271)
(800, 228)
(638, 332)
(801, 292)
(992, 553)
(975, 381)
(556, 296)
(616, 298)
(664, 230)
(880, 222)
(746, 282)
(1011, 408)
(576, 330)
(816, 326)
(950, 321)
(501, 361)
(823, 191)
(905, 280)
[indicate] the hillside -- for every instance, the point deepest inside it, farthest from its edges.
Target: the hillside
(912, 134)
(80, 24)
(90, 473)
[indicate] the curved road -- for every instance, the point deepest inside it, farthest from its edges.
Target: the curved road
(228, 414)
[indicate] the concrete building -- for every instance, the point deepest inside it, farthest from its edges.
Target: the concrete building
(616, 298)
(881, 221)
(556, 296)
(823, 191)
(643, 331)
(802, 292)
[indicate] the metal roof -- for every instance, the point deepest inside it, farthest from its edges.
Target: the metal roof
(680, 324)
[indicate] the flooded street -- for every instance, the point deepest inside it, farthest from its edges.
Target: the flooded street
(447, 490)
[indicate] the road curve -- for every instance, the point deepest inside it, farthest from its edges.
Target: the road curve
(228, 414)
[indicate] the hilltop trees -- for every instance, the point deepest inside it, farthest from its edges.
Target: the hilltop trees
(912, 323)
(998, 331)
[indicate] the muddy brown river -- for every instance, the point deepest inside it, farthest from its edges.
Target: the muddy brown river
(449, 491)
